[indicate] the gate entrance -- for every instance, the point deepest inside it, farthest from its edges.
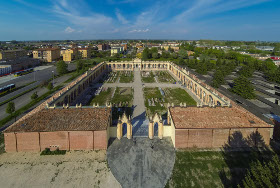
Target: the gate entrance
(156, 127)
(124, 127)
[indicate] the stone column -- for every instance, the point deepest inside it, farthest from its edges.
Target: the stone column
(151, 130)
(119, 130)
(129, 131)
(160, 130)
(168, 119)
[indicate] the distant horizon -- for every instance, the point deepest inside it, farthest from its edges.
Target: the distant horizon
(235, 20)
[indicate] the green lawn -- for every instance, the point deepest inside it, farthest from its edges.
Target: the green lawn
(126, 77)
(123, 94)
(178, 95)
(172, 95)
(149, 78)
(213, 168)
(112, 77)
(164, 77)
(150, 93)
(102, 98)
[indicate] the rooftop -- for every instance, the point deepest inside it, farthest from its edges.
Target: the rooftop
(73, 119)
(46, 49)
(218, 117)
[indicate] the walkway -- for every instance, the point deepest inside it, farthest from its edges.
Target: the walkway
(142, 162)
(140, 122)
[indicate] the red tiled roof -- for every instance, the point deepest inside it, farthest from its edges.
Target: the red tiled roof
(207, 117)
(73, 119)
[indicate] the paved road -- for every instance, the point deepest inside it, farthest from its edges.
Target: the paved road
(40, 75)
(25, 99)
(141, 163)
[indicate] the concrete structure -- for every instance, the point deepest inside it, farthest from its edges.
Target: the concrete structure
(12, 54)
(7, 67)
(199, 126)
(69, 54)
(212, 127)
(84, 52)
(65, 129)
(47, 54)
(116, 50)
(102, 47)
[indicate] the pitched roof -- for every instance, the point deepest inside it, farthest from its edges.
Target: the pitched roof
(73, 119)
(219, 117)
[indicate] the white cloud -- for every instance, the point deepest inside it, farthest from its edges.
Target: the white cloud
(69, 30)
(139, 31)
(120, 17)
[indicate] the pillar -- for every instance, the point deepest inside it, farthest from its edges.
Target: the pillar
(119, 130)
(129, 131)
(160, 130)
(168, 119)
(151, 130)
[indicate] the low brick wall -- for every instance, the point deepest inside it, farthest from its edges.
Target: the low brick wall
(64, 140)
(215, 138)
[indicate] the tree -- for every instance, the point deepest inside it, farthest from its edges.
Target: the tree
(34, 96)
(155, 55)
(183, 54)
(61, 67)
(246, 71)
(146, 54)
(201, 68)
(50, 86)
(218, 78)
(10, 108)
(243, 87)
(79, 65)
(263, 175)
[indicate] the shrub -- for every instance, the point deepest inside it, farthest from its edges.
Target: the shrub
(47, 151)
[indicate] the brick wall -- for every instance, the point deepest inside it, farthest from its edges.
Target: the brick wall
(100, 140)
(28, 141)
(10, 142)
(201, 138)
(81, 140)
(214, 138)
(64, 140)
(220, 137)
(59, 139)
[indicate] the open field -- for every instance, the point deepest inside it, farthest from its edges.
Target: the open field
(123, 95)
(74, 169)
(147, 77)
(156, 102)
(177, 96)
(164, 77)
(103, 97)
(194, 168)
(126, 76)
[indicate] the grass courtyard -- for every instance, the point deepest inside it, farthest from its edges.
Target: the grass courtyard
(126, 76)
(164, 77)
(103, 97)
(156, 101)
(147, 77)
(123, 95)
(212, 168)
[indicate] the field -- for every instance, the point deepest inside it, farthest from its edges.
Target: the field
(123, 95)
(158, 102)
(164, 77)
(103, 97)
(224, 168)
(74, 169)
(148, 77)
(126, 76)
(178, 95)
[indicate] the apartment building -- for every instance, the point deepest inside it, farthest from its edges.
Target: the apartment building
(47, 54)
(12, 54)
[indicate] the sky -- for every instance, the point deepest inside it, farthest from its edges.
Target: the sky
(140, 19)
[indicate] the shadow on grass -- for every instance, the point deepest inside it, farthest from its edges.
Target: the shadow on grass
(239, 153)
